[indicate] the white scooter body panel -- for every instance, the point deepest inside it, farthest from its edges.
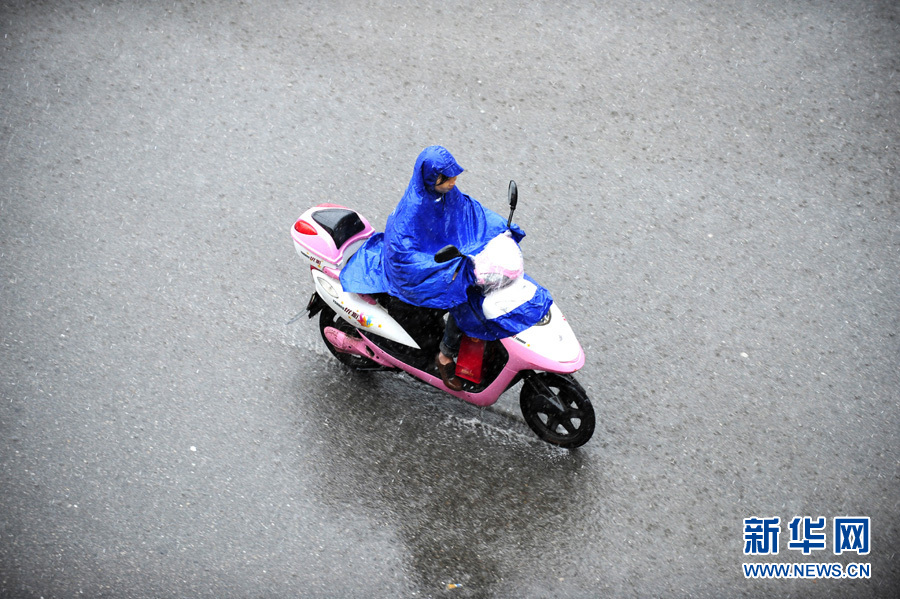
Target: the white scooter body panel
(367, 317)
(505, 300)
(554, 340)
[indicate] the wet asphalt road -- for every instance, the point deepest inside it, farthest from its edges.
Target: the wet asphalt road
(710, 191)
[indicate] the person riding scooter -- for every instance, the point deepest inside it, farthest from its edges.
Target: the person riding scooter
(432, 214)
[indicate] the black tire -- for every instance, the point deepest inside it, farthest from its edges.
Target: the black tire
(570, 427)
(328, 318)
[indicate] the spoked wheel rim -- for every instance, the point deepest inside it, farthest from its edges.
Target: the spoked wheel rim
(328, 318)
(557, 409)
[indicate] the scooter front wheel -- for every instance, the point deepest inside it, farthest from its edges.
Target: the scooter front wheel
(328, 318)
(557, 409)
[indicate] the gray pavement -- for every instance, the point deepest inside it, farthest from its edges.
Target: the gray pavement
(710, 192)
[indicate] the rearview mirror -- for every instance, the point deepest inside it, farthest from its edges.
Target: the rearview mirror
(513, 200)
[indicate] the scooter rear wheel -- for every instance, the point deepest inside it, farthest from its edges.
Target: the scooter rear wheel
(557, 409)
(328, 318)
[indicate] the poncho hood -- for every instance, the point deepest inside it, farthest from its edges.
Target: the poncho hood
(433, 161)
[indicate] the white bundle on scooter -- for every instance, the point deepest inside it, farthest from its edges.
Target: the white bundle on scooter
(499, 264)
(499, 270)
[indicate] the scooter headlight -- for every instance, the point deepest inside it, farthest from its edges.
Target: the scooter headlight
(546, 319)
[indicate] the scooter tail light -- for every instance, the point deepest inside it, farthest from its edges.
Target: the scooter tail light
(304, 228)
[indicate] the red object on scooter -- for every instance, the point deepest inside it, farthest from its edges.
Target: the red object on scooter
(470, 359)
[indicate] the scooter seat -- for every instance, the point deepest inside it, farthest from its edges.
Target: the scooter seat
(341, 224)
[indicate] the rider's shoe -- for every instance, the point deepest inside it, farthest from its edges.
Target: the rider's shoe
(448, 374)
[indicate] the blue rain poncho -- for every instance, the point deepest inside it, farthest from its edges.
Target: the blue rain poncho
(400, 261)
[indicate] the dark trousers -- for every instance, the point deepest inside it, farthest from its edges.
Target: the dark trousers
(452, 338)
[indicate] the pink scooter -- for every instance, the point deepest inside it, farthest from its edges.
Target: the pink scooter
(383, 333)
